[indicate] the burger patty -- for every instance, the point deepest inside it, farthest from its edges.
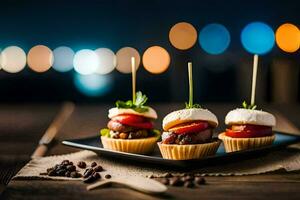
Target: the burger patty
(189, 138)
(118, 127)
(121, 131)
(130, 135)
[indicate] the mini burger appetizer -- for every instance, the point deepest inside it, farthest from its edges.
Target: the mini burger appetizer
(130, 128)
(248, 129)
(188, 132)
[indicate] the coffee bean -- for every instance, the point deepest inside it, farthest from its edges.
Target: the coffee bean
(167, 175)
(71, 168)
(60, 167)
(200, 180)
(65, 162)
(71, 163)
(98, 168)
(61, 172)
(43, 174)
(68, 174)
(94, 164)
(88, 172)
(189, 184)
(89, 179)
(96, 175)
(74, 175)
(52, 173)
(175, 181)
(81, 164)
(107, 176)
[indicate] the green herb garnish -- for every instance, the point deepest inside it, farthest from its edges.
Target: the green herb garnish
(188, 106)
(105, 132)
(250, 107)
(138, 105)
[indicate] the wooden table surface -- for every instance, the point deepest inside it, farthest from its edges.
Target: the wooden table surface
(22, 126)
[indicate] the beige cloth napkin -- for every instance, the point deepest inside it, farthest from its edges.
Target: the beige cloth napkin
(286, 159)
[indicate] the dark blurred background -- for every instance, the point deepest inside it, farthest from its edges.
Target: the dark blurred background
(140, 24)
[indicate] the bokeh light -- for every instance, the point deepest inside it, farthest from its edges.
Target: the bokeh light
(93, 85)
(85, 62)
(13, 59)
(156, 59)
(63, 59)
(183, 35)
(0, 60)
(214, 38)
(258, 38)
(124, 59)
(288, 37)
(107, 60)
(40, 58)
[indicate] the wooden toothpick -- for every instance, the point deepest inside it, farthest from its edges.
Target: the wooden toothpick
(254, 75)
(190, 71)
(133, 73)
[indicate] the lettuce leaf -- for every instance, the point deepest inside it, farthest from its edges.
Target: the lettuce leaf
(105, 132)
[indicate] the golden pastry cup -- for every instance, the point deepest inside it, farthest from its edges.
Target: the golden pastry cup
(188, 151)
(138, 146)
(238, 144)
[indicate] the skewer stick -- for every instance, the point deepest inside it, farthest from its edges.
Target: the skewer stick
(133, 72)
(190, 71)
(254, 75)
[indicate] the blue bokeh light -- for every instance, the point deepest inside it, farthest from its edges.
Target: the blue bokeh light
(63, 59)
(214, 38)
(93, 85)
(258, 38)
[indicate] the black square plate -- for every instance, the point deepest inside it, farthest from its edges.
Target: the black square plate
(94, 144)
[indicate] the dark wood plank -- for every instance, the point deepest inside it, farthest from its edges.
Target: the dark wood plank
(216, 188)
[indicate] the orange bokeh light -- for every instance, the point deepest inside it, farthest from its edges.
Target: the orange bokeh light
(40, 58)
(183, 35)
(156, 59)
(124, 59)
(288, 37)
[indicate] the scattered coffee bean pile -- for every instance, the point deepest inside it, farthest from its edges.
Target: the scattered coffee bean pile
(186, 180)
(67, 169)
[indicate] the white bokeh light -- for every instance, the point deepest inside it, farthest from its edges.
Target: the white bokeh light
(63, 59)
(107, 61)
(13, 59)
(85, 62)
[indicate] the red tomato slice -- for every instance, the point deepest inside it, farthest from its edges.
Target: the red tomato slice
(248, 131)
(129, 119)
(191, 127)
(141, 125)
(250, 127)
